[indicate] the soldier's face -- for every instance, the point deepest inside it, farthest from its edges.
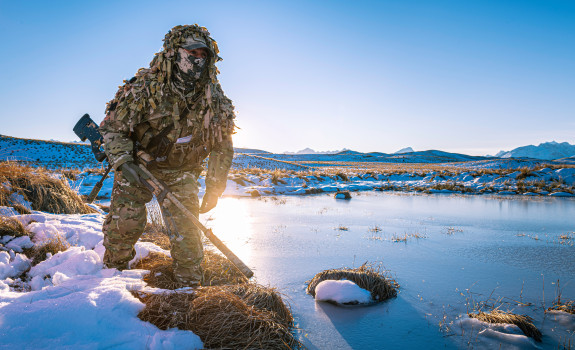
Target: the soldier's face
(198, 53)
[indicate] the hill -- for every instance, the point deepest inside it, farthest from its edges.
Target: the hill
(548, 151)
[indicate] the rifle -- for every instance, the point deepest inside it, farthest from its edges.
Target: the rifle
(86, 128)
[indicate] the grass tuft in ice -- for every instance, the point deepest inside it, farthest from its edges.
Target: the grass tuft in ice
(452, 230)
(367, 276)
(232, 317)
(406, 236)
(525, 323)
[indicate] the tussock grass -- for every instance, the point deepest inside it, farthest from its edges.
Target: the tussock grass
(226, 312)
(39, 252)
(44, 191)
(12, 227)
(216, 270)
(225, 317)
(366, 276)
(568, 306)
(525, 323)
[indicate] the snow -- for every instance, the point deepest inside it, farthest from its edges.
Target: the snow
(12, 266)
(89, 312)
(493, 335)
(547, 150)
(342, 292)
(73, 301)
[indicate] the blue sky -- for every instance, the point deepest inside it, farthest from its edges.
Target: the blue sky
(461, 76)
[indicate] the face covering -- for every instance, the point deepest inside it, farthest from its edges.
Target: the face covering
(192, 67)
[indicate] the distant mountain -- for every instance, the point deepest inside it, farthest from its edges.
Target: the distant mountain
(404, 150)
(548, 151)
(311, 151)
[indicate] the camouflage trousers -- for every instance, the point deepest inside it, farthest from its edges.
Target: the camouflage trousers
(127, 219)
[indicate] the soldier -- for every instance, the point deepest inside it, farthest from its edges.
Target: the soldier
(176, 112)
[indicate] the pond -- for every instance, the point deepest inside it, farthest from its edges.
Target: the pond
(447, 252)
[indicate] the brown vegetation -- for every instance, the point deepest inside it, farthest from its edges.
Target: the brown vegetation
(525, 323)
(44, 191)
(246, 316)
(12, 227)
(38, 252)
(216, 270)
(226, 312)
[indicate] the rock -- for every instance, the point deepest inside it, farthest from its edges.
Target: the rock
(342, 195)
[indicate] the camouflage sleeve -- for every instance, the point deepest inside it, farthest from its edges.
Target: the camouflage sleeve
(219, 165)
(117, 143)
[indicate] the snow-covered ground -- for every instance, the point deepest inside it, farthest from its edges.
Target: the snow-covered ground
(70, 301)
(544, 182)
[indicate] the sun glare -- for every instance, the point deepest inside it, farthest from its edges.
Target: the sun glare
(232, 223)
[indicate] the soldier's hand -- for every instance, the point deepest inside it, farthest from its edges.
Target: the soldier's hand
(133, 173)
(208, 202)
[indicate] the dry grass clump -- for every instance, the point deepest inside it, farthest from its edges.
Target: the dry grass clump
(38, 253)
(225, 317)
(568, 306)
(12, 227)
(159, 238)
(216, 270)
(44, 191)
(525, 323)
(366, 276)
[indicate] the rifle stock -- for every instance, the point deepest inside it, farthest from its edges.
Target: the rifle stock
(162, 192)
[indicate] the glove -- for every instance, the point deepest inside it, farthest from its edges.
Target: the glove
(208, 202)
(133, 173)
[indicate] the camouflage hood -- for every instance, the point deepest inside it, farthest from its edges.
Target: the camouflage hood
(165, 84)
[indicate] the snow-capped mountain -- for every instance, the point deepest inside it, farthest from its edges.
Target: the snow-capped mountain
(548, 151)
(404, 150)
(311, 151)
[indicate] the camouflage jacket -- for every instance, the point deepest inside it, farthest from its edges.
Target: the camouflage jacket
(173, 121)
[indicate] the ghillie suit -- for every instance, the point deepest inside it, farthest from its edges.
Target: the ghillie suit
(177, 112)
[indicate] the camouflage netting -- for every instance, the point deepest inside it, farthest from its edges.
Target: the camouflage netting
(162, 87)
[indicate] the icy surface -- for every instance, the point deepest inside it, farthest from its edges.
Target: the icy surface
(471, 249)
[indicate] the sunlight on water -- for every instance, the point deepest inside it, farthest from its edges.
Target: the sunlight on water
(232, 223)
(467, 247)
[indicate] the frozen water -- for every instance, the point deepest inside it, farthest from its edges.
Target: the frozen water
(447, 252)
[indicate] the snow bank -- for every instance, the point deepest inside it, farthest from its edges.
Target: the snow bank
(88, 312)
(342, 292)
(74, 301)
(496, 335)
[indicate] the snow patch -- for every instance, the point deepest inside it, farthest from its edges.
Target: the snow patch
(342, 292)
